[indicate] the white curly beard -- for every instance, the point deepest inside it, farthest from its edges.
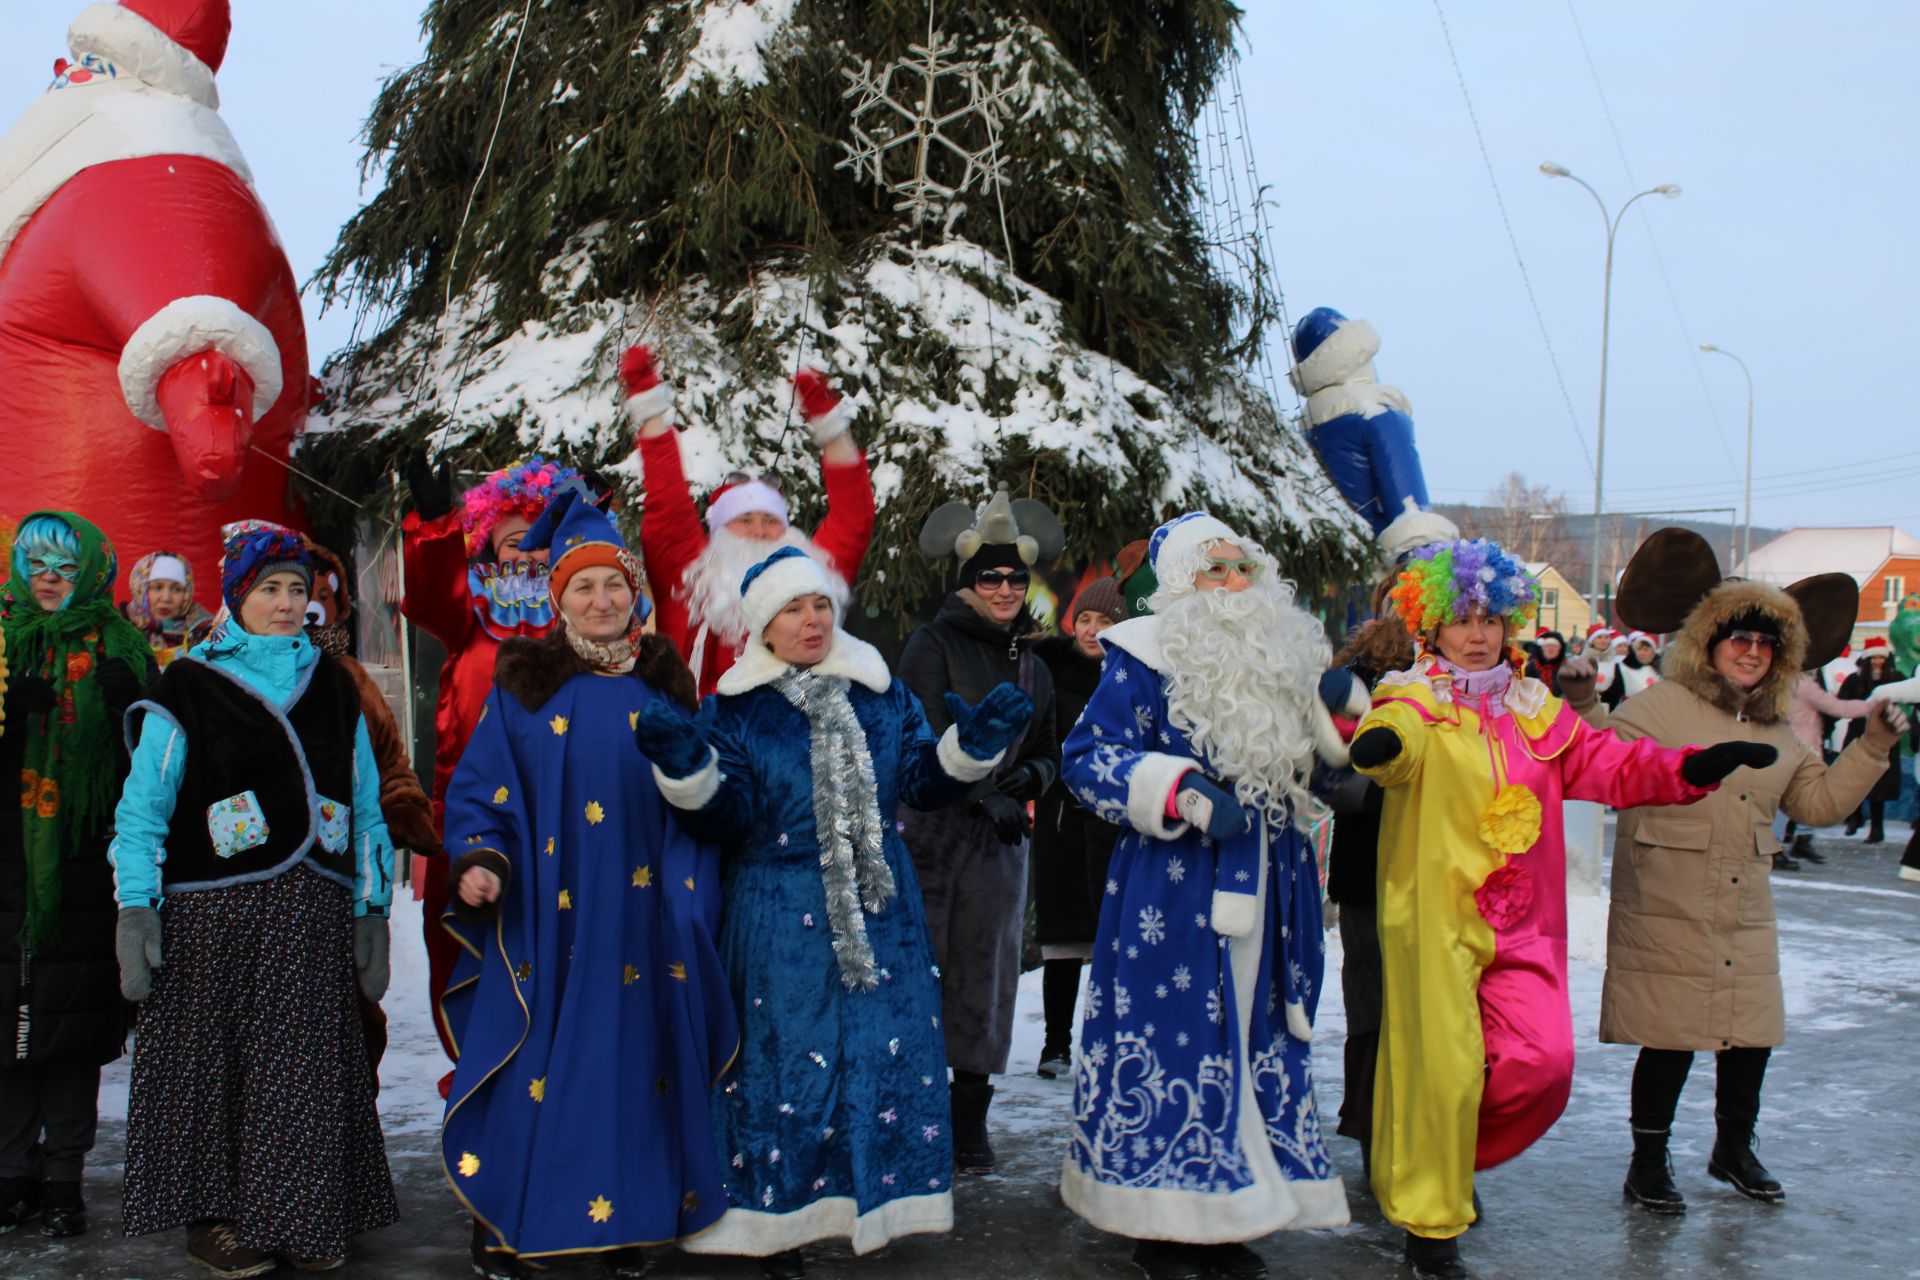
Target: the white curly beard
(1242, 677)
(711, 585)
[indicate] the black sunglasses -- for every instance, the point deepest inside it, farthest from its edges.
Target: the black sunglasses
(746, 477)
(994, 579)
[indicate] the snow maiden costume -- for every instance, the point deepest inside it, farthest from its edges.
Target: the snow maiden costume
(1194, 1118)
(834, 1119)
(1476, 1042)
(253, 872)
(588, 1007)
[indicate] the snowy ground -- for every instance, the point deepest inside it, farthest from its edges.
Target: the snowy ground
(1839, 1127)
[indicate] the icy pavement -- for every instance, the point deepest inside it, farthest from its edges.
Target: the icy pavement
(1839, 1127)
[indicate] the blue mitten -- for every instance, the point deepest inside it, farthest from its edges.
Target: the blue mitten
(676, 745)
(1206, 805)
(990, 728)
(1340, 689)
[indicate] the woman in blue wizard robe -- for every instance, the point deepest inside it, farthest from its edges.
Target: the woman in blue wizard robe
(833, 1123)
(1194, 1124)
(589, 1009)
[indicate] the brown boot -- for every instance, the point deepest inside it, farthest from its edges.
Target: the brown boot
(213, 1245)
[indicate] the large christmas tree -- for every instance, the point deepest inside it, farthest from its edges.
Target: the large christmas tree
(1020, 293)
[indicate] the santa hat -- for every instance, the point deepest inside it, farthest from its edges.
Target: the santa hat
(170, 42)
(1874, 647)
(1600, 636)
(743, 497)
(578, 535)
(1635, 637)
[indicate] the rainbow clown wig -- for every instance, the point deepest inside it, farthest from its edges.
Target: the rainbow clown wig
(520, 488)
(1443, 581)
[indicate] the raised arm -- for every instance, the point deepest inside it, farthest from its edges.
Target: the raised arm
(938, 772)
(706, 775)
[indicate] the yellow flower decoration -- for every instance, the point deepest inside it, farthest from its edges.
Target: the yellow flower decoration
(537, 1089)
(677, 971)
(633, 719)
(629, 976)
(500, 796)
(566, 900)
(595, 814)
(549, 846)
(642, 877)
(1511, 823)
(558, 724)
(600, 1209)
(469, 1164)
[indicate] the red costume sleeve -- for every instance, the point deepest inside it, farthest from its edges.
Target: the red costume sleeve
(848, 528)
(434, 555)
(671, 536)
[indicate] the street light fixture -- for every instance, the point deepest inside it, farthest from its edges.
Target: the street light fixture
(1746, 536)
(1612, 222)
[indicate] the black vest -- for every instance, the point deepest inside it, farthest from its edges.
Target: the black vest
(237, 742)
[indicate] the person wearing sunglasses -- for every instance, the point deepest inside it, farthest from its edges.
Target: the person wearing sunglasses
(73, 666)
(1693, 959)
(971, 858)
(695, 566)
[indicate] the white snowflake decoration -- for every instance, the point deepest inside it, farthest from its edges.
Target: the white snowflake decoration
(897, 110)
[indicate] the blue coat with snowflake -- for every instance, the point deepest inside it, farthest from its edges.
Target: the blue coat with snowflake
(1194, 1115)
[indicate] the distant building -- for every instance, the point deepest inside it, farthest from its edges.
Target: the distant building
(1884, 560)
(1562, 608)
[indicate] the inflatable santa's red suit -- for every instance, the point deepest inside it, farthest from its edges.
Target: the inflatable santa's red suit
(150, 326)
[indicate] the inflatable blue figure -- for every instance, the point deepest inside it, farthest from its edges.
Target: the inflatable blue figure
(1362, 431)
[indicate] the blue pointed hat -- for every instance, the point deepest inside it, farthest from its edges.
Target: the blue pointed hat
(1314, 328)
(578, 535)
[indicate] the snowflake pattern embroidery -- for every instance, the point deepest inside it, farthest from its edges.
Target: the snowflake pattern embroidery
(1216, 1007)
(1113, 888)
(1122, 1002)
(1160, 990)
(1182, 977)
(1153, 925)
(1176, 870)
(1143, 720)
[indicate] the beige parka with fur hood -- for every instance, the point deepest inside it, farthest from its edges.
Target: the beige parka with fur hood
(1693, 961)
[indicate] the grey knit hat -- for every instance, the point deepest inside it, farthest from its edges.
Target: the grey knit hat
(1102, 595)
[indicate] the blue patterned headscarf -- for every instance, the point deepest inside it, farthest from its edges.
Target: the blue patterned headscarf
(255, 549)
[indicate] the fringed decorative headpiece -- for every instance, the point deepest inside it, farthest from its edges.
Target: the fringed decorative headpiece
(521, 488)
(1442, 582)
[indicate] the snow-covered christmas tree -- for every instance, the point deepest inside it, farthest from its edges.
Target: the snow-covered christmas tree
(983, 219)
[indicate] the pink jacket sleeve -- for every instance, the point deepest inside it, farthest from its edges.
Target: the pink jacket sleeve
(1599, 766)
(1827, 704)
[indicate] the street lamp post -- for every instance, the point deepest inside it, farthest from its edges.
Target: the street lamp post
(1746, 533)
(1612, 222)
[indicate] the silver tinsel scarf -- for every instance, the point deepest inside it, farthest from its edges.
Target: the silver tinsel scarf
(846, 816)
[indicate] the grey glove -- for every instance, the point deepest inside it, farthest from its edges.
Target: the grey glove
(371, 956)
(136, 941)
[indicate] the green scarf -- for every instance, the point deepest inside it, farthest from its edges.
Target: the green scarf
(68, 776)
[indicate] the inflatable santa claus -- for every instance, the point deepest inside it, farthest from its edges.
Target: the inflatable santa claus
(153, 363)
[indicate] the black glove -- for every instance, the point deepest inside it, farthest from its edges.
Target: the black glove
(1009, 818)
(1374, 748)
(1025, 781)
(1712, 764)
(120, 684)
(432, 492)
(28, 695)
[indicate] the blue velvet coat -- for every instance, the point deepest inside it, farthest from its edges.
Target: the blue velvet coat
(1193, 1110)
(591, 1016)
(834, 1121)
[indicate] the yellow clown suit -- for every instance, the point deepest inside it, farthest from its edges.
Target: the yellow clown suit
(1476, 1041)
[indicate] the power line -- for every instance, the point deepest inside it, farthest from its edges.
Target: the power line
(1646, 223)
(1506, 222)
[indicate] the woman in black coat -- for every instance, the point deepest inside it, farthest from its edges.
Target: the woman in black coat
(1875, 668)
(74, 665)
(1071, 847)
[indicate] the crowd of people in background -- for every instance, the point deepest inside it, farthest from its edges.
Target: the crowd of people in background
(725, 917)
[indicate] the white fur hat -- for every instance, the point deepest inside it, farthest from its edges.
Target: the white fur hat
(777, 581)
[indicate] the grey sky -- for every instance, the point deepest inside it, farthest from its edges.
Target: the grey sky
(1789, 128)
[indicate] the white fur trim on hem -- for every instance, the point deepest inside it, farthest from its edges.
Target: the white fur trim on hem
(186, 327)
(1341, 355)
(137, 48)
(850, 657)
(958, 764)
(1203, 1217)
(649, 404)
(1148, 787)
(695, 791)
(749, 1233)
(1233, 913)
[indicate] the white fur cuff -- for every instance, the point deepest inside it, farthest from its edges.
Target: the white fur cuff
(958, 764)
(1327, 743)
(647, 405)
(186, 327)
(1152, 781)
(695, 791)
(831, 425)
(1233, 913)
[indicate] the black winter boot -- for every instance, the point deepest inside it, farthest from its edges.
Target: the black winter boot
(63, 1213)
(1650, 1174)
(19, 1201)
(1168, 1260)
(972, 1151)
(1784, 861)
(791, 1265)
(1804, 850)
(1733, 1161)
(1231, 1261)
(1435, 1259)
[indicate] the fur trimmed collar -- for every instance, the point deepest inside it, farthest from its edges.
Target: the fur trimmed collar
(1689, 662)
(1139, 637)
(534, 670)
(851, 658)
